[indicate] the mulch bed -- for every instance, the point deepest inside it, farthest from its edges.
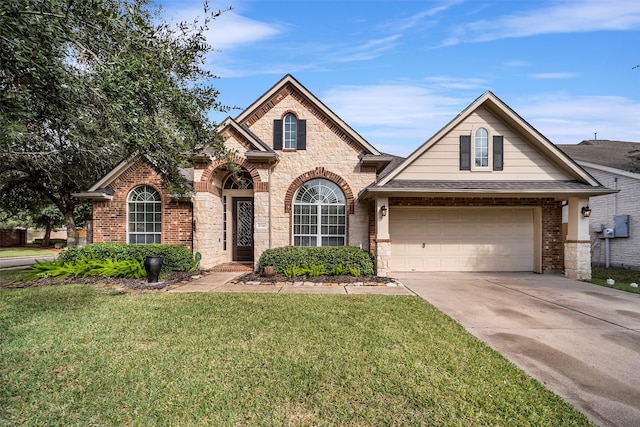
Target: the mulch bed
(345, 280)
(171, 279)
(175, 279)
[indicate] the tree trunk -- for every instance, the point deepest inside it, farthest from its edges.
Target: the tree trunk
(71, 229)
(46, 240)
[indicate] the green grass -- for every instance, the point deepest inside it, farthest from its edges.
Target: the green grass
(9, 275)
(622, 277)
(24, 251)
(74, 355)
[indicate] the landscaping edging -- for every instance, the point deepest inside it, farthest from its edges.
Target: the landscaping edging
(256, 279)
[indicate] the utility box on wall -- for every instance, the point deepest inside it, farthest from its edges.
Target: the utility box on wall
(621, 228)
(607, 233)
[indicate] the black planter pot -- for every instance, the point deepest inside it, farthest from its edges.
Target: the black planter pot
(153, 265)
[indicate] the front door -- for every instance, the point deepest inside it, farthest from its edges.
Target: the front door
(243, 229)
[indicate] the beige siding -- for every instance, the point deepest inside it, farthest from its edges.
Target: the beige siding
(521, 160)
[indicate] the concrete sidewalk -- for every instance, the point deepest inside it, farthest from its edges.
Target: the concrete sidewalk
(222, 282)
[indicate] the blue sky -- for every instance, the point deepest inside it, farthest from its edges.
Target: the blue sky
(398, 71)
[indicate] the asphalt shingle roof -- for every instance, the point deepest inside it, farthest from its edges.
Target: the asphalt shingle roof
(614, 154)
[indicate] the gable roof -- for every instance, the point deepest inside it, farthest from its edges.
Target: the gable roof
(312, 103)
(514, 121)
(255, 141)
(614, 154)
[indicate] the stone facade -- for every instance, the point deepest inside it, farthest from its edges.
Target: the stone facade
(577, 260)
(329, 154)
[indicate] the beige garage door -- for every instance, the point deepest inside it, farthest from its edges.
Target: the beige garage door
(461, 239)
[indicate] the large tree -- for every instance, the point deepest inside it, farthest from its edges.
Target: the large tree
(86, 83)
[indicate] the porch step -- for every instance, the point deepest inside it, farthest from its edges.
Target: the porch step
(233, 267)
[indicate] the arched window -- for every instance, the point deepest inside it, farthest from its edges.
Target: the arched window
(144, 215)
(290, 132)
(481, 152)
(239, 181)
(319, 214)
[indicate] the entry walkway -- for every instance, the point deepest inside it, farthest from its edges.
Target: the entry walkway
(222, 282)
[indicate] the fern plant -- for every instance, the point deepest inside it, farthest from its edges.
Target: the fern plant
(316, 270)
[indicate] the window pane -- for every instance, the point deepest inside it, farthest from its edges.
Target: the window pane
(319, 214)
(290, 131)
(144, 217)
(333, 241)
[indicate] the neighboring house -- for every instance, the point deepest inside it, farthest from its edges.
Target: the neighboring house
(609, 162)
(483, 194)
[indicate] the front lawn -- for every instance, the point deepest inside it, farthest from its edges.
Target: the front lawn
(623, 278)
(76, 355)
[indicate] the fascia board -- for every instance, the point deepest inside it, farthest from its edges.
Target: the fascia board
(229, 122)
(115, 172)
(609, 169)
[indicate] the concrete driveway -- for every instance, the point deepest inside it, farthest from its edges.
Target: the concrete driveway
(582, 341)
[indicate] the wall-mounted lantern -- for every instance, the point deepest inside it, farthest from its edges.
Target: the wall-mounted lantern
(383, 210)
(586, 211)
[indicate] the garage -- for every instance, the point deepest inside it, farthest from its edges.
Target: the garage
(462, 239)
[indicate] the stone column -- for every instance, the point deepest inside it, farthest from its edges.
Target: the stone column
(206, 239)
(261, 226)
(577, 246)
(382, 239)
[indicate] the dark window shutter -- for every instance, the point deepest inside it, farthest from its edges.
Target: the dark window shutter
(301, 143)
(465, 152)
(498, 153)
(277, 134)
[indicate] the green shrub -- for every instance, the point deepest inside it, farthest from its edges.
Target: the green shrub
(174, 257)
(347, 257)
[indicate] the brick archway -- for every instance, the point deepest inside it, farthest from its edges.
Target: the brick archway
(319, 173)
(216, 167)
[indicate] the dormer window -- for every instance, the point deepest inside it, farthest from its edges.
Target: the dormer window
(290, 132)
(481, 148)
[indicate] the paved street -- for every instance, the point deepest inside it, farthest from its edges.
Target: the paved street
(18, 261)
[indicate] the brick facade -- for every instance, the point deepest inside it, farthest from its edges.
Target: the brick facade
(110, 217)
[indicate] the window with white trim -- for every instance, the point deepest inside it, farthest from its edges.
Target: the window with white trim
(319, 214)
(144, 216)
(290, 132)
(481, 148)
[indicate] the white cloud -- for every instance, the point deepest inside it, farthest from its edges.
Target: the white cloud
(553, 75)
(565, 17)
(229, 30)
(365, 51)
(447, 82)
(395, 118)
(418, 18)
(565, 119)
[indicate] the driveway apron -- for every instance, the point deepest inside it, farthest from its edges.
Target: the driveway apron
(581, 340)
